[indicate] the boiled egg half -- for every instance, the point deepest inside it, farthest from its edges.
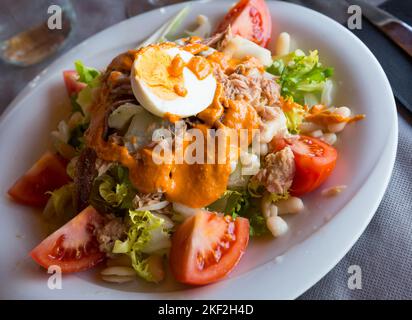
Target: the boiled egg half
(164, 83)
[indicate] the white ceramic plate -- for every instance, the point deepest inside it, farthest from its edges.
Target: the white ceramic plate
(283, 268)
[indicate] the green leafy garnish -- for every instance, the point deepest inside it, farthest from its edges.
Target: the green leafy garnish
(237, 203)
(90, 76)
(147, 234)
(87, 75)
(60, 207)
(77, 136)
(113, 192)
(257, 226)
(299, 74)
(75, 106)
(295, 114)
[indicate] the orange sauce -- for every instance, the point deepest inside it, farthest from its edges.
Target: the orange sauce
(195, 48)
(320, 115)
(180, 90)
(195, 185)
(212, 113)
(171, 117)
(200, 67)
(177, 66)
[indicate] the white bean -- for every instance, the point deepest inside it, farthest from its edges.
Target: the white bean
(282, 44)
(343, 111)
(246, 158)
(338, 127)
(330, 138)
(117, 279)
(307, 127)
(277, 226)
(265, 204)
(264, 149)
(118, 271)
(316, 134)
(121, 260)
(291, 205)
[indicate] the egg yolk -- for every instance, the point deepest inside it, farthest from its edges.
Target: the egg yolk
(152, 67)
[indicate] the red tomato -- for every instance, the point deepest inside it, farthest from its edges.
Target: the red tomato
(249, 19)
(207, 246)
(315, 161)
(73, 247)
(47, 174)
(71, 80)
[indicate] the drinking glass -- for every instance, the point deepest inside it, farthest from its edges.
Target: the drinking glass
(32, 30)
(135, 7)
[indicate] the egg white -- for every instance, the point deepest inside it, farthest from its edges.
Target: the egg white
(200, 93)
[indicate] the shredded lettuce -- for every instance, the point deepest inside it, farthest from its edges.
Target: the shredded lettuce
(257, 225)
(87, 75)
(295, 114)
(142, 268)
(299, 74)
(77, 136)
(112, 192)
(90, 76)
(60, 208)
(241, 204)
(255, 189)
(148, 233)
(277, 197)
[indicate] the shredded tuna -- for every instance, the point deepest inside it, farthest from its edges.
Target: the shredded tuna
(278, 171)
(248, 82)
(143, 200)
(219, 41)
(114, 229)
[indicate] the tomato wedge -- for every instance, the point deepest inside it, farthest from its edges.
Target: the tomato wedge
(315, 161)
(207, 246)
(249, 19)
(73, 247)
(71, 80)
(47, 174)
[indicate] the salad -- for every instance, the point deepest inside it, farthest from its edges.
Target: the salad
(183, 149)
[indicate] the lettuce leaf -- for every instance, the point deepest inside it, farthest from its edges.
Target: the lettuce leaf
(112, 192)
(241, 203)
(299, 74)
(141, 266)
(87, 75)
(60, 207)
(295, 114)
(148, 233)
(90, 76)
(77, 136)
